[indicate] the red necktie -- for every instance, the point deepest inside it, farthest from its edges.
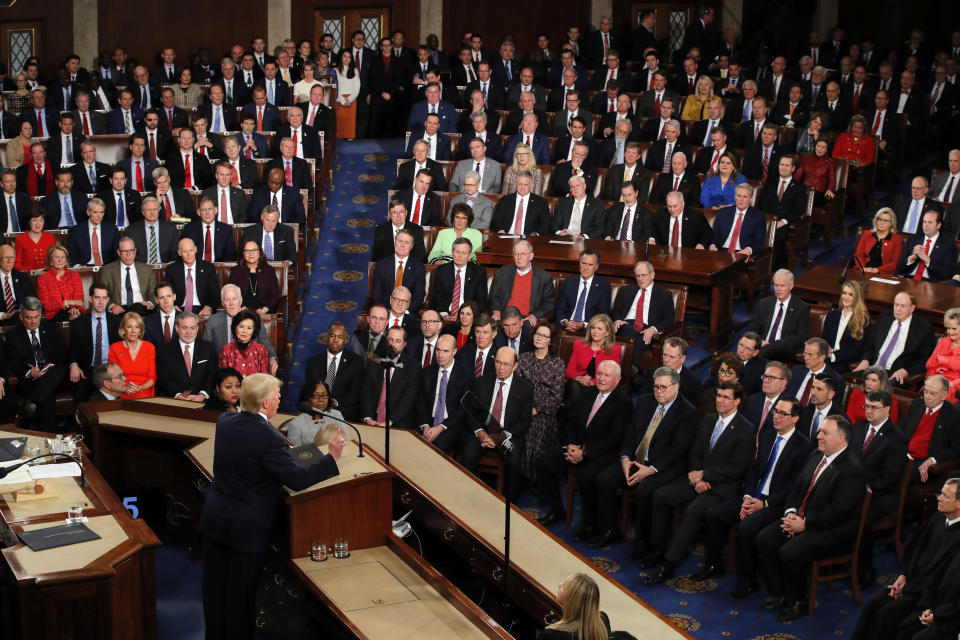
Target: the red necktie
(139, 177)
(736, 235)
(690, 87)
(493, 424)
(650, 73)
(170, 119)
(416, 210)
(870, 436)
(876, 124)
(805, 396)
(153, 146)
(288, 174)
(86, 125)
(39, 125)
(168, 211)
(713, 163)
(675, 236)
(426, 356)
(528, 141)
(208, 246)
(656, 107)
(455, 300)
(235, 178)
(249, 152)
(813, 481)
(518, 224)
(638, 318)
(187, 179)
(166, 329)
(223, 208)
(611, 109)
(676, 182)
(921, 267)
(295, 143)
(95, 247)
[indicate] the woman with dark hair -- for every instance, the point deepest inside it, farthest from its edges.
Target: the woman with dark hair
(462, 216)
(579, 598)
(462, 329)
(875, 378)
(187, 94)
(819, 171)
(226, 387)
(545, 372)
(348, 86)
(719, 188)
(728, 368)
(244, 353)
(256, 279)
(32, 247)
(807, 139)
(304, 427)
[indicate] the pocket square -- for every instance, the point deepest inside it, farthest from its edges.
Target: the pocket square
(199, 362)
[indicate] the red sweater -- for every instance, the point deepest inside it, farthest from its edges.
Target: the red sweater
(520, 296)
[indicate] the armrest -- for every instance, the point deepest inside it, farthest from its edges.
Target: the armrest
(945, 466)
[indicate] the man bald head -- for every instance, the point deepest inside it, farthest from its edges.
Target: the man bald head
(187, 250)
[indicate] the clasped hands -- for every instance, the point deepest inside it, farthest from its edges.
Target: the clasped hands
(696, 479)
(792, 524)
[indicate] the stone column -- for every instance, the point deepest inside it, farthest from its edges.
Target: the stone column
(85, 32)
(431, 20)
(279, 22)
(828, 13)
(598, 9)
(731, 15)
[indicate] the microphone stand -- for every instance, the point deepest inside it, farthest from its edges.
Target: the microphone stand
(387, 366)
(5, 471)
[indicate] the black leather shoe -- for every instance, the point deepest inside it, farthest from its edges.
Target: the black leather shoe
(867, 578)
(743, 590)
(585, 533)
(790, 611)
(709, 570)
(552, 517)
(659, 575)
(651, 560)
(609, 537)
(773, 603)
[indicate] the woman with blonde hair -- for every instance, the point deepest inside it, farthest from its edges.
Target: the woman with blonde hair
(879, 249)
(522, 161)
(844, 328)
(136, 356)
(945, 359)
(59, 288)
(579, 598)
(695, 108)
(596, 346)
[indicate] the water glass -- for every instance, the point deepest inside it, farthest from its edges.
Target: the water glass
(341, 548)
(75, 513)
(318, 552)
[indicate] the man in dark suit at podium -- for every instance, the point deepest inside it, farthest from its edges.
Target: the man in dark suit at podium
(440, 415)
(253, 465)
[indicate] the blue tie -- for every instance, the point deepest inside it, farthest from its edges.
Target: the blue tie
(717, 430)
(67, 211)
(93, 178)
(441, 400)
(12, 211)
(581, 302)
(216, 119)
(770, 462)
(815, 426)
(268, 247)
(912, 220)
(121, 218)
(509, 75)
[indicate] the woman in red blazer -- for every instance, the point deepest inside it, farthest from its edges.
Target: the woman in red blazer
(596, 346)
(879, 249)
(818, 170)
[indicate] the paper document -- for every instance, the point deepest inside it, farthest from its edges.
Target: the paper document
(561, 242)
(18, 477)
(884, 281)
(62, 470)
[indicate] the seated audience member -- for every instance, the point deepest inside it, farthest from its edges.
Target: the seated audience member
(521, 213)
(816, 352)
(844, 329)
(748, 133)
(504, 408)
(762, 158)
(481, 205)
(462, 329)
(781, 453)
(530, 136)
(40, 371)
(580, 215)
(131, 284)
(522, 285)
(584, 296)
(287, 199)
(718, 189)
(93, 242)
(458, 277)
(121, 204)
(36, 177)
(727, 367)
(422, 344)
(642, 310)
(513, 332)
(371, 340)
(194, 281)
(882, 450)
(404, 385)
(489, 174)
(945, 359)
(925, 554)
(341, 369)
(819, 171)
(399, 311)
(879, 249)
(748, 350)
(931, 429)
(785, 198)
(545, 371)
(929, 254)
(218, 329)
(760, 405)
(695, 106)
(226, 392)
(901, 342)
(596, 346)
(430, 132)
(226, 194)
(708, 159)
(109, 382)
(185, 365)
(580, 165)
(257, 280)
(674, 355)
(874, 379)
(462, 216)
(385, 234)
(139, 167)
(400, 269)
(718, 460)
(910, 210)
(676, 226)
(421, 162)
(211, 237)
(478, 124)
(740, 228)
(590, 435)
(306, 427)
(826, 398)
(480, 352)
(32, 246)
(90, 338)
(523, 161)
(677, 180)
(857, 146)
(155, 239)
(629, 170)
(626, 220)
(422, 203)
(59, 287)
(276, 239)
(820, 519)
(137, 358)
(440, 416)
(243, 169)
(655, 128)
(244, 353)
(20, 147)
(782, 321)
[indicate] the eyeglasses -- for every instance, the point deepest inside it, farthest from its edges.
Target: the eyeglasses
(251, 250)
(403, 300)
(660, 388)
(782, 414)
(319, 396)
(544, 336)
(430, 321)
(872, 407)
(725, 370)
(766, 377)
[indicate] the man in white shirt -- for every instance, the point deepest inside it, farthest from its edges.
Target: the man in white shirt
(585, 215)
(944, 186)
(889, 348)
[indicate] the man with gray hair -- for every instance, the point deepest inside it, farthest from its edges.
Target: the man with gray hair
(676, 226)
(782, 321)
(580, 215)
(218, 332)
(421, 162)
(306, 143)
(155, 239)
(296, 171)
(676, 178)
(740, 228)
(234, 89)
(479, 124)
(186, 364)
(130, 283)
(482, 205)
(93, 242)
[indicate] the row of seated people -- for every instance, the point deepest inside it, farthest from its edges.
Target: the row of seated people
(161, 346)
(189, 160)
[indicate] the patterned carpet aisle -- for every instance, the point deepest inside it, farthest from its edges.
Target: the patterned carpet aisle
(356, 202)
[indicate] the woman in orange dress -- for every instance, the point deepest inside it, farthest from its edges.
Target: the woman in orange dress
(136, 357)
(348, 85)
(32, 246)
(945, 359)
(59, 288)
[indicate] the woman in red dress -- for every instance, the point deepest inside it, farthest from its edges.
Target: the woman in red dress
(33, 245)
(879, 249)
(60, 289)
(818, 170)
(136, 357)
(945, 359)
(243, 353)
(874, 379)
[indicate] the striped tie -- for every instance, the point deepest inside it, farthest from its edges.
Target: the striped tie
(478, 365)
(455, 301)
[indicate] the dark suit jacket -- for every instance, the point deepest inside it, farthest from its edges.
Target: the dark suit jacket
(850, 348)
(884, 459)
(613, 182)
(10, 125)
(405, 175)
(291, 204)
(598, 298)
(943, 258)
(81, 339)
(50, 115)
(154, 91)
(322, 121)
(78, 243)
(600, 438)
(444, 150)
(182, 202)
(172, 375)
(262, 150)
(496, 92)
(725, 466)
(459, 382)
(515, 118)
(448, 116)
(383, 245)
(22, 204)
(670, 444)
(284, 247)
(753, 231)
(51, 204)
(348, 383)
(167, 242)
(752, 376)
(800, 372)
(468, 356)
(55, 147)
(239, 89)
(281, 91)
(794, 201)
(890, 131)
(919, 345)
(202, 173)
(753, 410)
(299, 168)
(131, 205)
(591, 219)
(498, 72)
(945, 439)
(431, 211)
(205, 284)
(642, 222)
(537, 215)
(801, 113)
(180, 119)
(271, 116)
(26, 177)
(689, 186)
(404, 389)
(560, 182)
(790, 461)
(230, 120)
(474, 286)
(833, 505)
(540, 144)
(795, 326)
(693, 231)
(115, 120)
(20, 355)
(493, 141)
(149, 164)
(224, 249)
(655, 154)
(542, 293)
(902, 208)
(661, 313)
(238, 202)
(752, 165)
(309, 141)
(519, 404)
(414, 279)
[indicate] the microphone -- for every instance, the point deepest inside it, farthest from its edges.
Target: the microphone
(386, 363)
(862, 270)
(5, 471)
(843, 274)
(646, 250)
(306, 407)
(401, 528)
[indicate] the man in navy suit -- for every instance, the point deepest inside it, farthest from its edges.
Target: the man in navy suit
(121, 204)
(43, 118)
(493, 91)
(288, 163)
(81, 236)
(15, 219)
(221, 117)
(276, 91)
(228, 198)
(206, 292)
(642, 309)
(900, 356)
(287, 199)
(522, 211)
(66, 206)
(582, 297)
(341, 369)
(433, 104)
(473, 281)
(421, 346)
(83, 338)
(440, 415)
(266, 116)
(483, 128)
(528, 135)
(740, 228)
(172, 117)
(200, 175)
(270, 233)
(127, 118)
(146, 164)
(422, 203)
(506, 70)
(146, 92)
(760, 405)
(826, 398)
(514, 333)
(173, 379)
(929, 255)
(307, 143)
(781, 454)
(413, 274)
(221, 247)
(815, 352)
(252, 144)
(233, 87)
(440, 148)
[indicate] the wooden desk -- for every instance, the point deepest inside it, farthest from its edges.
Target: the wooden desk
(99, 589)
(709, 274)
(822, 284)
